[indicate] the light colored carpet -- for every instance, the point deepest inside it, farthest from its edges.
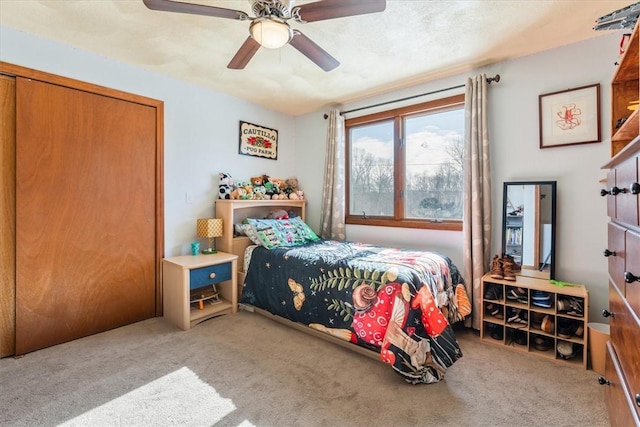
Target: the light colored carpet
(244, 370)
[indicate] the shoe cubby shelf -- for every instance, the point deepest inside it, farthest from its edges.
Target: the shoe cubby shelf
(531, 315)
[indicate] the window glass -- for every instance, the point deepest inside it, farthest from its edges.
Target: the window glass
(405, 166)
(434, 165)
(371, 164)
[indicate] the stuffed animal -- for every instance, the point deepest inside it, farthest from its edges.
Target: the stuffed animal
(279, 214)
(257, 181)
(273, 187)
(291, 186)
(225, 186)
(238, 193)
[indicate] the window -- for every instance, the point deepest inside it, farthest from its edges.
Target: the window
(405, 166)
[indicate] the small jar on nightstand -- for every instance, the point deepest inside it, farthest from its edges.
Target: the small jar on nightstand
(214, 277)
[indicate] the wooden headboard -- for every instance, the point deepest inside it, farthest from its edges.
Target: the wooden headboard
(235, 211)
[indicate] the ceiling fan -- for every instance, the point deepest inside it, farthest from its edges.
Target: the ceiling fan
(270, 28)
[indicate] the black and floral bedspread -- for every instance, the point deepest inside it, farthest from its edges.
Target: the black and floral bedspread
(400, 303)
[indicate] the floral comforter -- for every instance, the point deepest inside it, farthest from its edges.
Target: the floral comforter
(400, 303)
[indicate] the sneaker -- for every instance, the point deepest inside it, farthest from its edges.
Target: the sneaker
(496, 332)
(547, 324)
(496, 268)
(541, 299)
(493, 292)
(520, 337)
(563, 305)
(566, 350)
(515, 315)
(577, 308)
(568, 328)
(517, 336)
(495, 311)
(517, 294)
(536, 320)
(542, 343)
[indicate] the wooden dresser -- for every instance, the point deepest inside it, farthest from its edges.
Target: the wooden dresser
(622, 367)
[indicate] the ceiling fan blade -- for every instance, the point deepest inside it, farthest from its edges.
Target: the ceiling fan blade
(329, 9)
(194, 9)
(312, 51)
(244, 54)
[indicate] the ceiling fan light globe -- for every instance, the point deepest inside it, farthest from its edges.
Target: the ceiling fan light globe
(270, 33)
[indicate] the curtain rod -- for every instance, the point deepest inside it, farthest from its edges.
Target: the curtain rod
(489, 80)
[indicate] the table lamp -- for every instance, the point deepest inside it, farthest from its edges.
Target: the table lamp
(209, 228)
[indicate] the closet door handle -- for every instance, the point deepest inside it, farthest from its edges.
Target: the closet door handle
(635, 188)
(607, 313)
(609, 253)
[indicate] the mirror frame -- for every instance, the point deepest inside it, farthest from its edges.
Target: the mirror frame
(554, 201)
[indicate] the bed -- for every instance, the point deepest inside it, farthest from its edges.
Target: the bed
(395, 305)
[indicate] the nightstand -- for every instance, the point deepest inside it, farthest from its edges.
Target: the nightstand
(187, 274)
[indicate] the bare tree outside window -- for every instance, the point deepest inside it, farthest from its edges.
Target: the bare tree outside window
(407, 168)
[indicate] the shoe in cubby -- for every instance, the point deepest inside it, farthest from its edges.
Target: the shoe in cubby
(494, 310)
(493, 292)
(573, 306)
(542, 299)
(517, 294)
(517, 316)
(495, 331)
(568, 350)
(541, 343)
(516, 336)
(570, 328)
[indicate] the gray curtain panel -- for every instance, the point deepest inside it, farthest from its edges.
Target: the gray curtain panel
(477, 193)
(333, 191)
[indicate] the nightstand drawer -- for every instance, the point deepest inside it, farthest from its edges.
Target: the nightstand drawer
(204, 276)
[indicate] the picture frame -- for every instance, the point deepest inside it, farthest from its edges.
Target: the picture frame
(570, 117)
(258, 141)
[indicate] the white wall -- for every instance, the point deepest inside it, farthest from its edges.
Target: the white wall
(515, 156)
(201, 127)
(201, 137)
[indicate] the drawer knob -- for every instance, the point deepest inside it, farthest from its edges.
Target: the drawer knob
(607, 313)
(635, 188)
(603, 381)
(609, 253)
(629, 277)
(212, 276)
(616, 190)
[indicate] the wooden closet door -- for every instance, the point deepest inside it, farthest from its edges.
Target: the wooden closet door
(7, 215)
(85, 213)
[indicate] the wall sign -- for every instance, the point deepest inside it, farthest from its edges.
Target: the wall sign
(258, 141)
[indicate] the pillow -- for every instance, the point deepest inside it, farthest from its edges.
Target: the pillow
(303, 230)
(280, 232)
(252, 234)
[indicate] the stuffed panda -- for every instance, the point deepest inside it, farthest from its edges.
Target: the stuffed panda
(225, 186)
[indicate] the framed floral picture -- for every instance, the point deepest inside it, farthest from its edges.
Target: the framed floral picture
(258, 141)
(569, 117)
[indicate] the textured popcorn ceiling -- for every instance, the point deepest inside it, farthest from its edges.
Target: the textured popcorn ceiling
(411, 42)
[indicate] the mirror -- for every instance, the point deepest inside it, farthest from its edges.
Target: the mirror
(529, 226)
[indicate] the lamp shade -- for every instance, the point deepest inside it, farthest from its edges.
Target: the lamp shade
(209, 227)
(270, 33)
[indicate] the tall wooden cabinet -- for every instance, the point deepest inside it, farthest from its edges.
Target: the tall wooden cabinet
(87, 176)
(622, 370)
